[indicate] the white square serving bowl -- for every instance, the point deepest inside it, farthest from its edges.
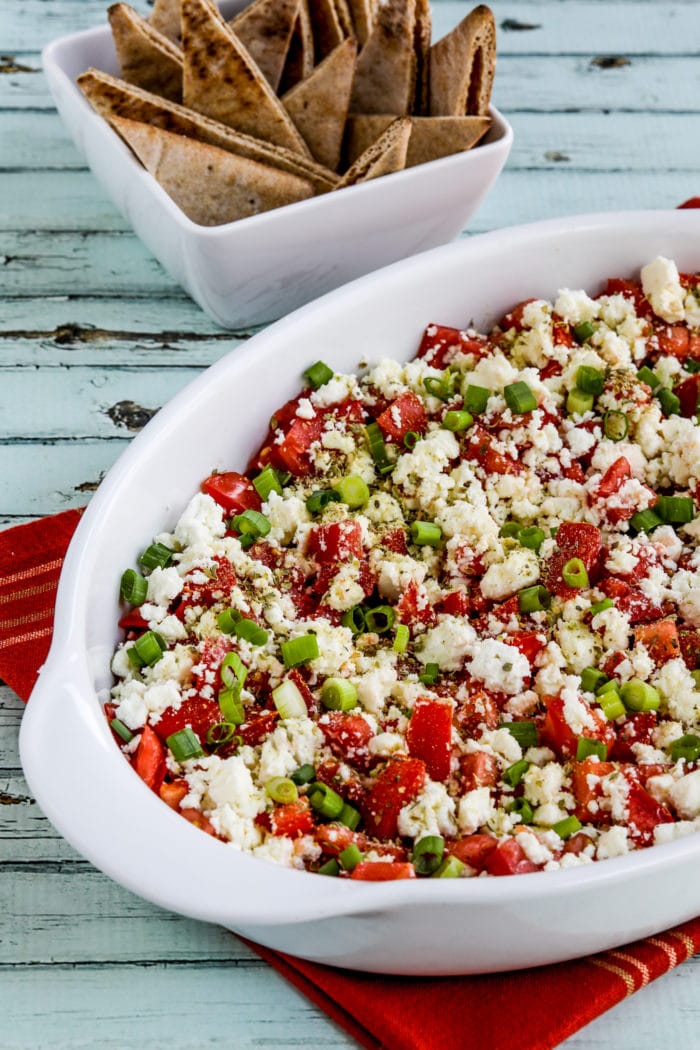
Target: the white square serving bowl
(93, 797)
(257, 269)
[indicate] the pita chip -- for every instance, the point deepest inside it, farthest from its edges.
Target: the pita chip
(462, 67)
(385, 79)
(383, 157)
(361, 15)
(147, 58)
(421, 43)
(319, 105)
(111, 97)
(165, 17)
(211, 186)
(300, 56)
(222, 80)
(431, 137)
(265, 29)
(327, 27)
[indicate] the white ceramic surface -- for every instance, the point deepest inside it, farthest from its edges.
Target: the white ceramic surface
(92, 796)
(255, 270)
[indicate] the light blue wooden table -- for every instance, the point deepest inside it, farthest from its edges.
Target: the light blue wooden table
(605, 101)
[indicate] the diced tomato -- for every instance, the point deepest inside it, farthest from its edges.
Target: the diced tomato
(561, 332)
(574, 472)
(688, 393)
(232, 491)
(382, 871)
(514, 317)
(258, 727)
(692, 202)
(404, 414)
(296, 677)
(441, 343)
(429, 736)
(413, 607)
(673, 340)
(614, 478)
(558, 734)
(478, 769)
(398, 784)
(587, 790)
(551, 369)
(133, 621)
(199, 713)
(689, 641)
(661, 639)
(172, 794)
(644, 814)
(334, 838)
(348, 735)
(149, 760)
(479, 446)
(293, 452)
(577, 843)
(456, 603)
(394, 540)
(341, 778)
(215, 588)
(473, 850)
(637, 729)
(575, 539)
(530, 644)
(630, 290)
(293, 819)
(199, 820)
(508, 858)
(630, 601)
(476, 711)
(336, 542)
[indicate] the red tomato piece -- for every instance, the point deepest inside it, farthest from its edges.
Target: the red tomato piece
(293, 819)
(577, 843)
(514, 317)
(478, 769)
(342, 779)
(348, 735)
(382, 871)
(149, 760)
(637, 729)
(479, 446)
(258, 727)
(232, 491)
(337, 542)
(689, 641)
(441, 343)
(473, 850)
(216, 589)
(334, 838)
(476, 712)
(558, 734)
(692, 202)
(575, 539)
(395, 541)
(399, 783)
(456, 603)
(674, 340)
(133, 621)
(199, 820)
(404, 414)
(661, 639)
(293, 453)
(587, 789)
(199, 713)
(561, 332)
(644, 814)
(508, 858)
(614, 478)
(530, 644)
(630, 290)
(688, 393)
(551, 369)
(413, 607)
(172, 794)
(299, 681)
(429, 736)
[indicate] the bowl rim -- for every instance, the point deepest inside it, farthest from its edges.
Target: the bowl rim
(67, 665)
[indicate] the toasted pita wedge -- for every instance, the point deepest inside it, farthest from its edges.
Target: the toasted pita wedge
(431, 137)
(385, 80)
(222, 81)
(383, 157)
(111, 97)
(319, 105)
(462, 67)
(361, 14)
(147, 58)
(421, 42)
(265, 29)
(327, 27)
(300, 56)
(165, 17)
(210, 185)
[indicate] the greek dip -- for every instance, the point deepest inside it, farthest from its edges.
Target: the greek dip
(447, 624)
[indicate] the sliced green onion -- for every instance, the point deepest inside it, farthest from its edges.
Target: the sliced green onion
(121, 730)
(402, 636)
(670, 402)
(582, 332)
(320, 499)
(574, 573)
(249, 631)
(380, 620)
(377, 448)
(318, 375)
(610, 686)
(353, 491)
(510, 529)
(289, 701)
(133, 587)
(676, 510)
(515, 773)
(523, 808)
(692, 366)
(534, 599)
(231, 705)
(157, 556)
(645, 521)
(430, 674)
(695, 675)
(592, 679)
(519, 398)
(303, 775)
(611, 705)
(586, 747)
(267, 482)
(567, 827)
(220, 733)
(147, 649)
(233, 671)
(476, 398)
(411, 439)
(298, 651)
(331, 867)
(337, 694)
(532, 537)
(184, 745)
(439, 387)
(349, 816)
(601, 606)
(524, 732)
(645, 375)
(250, 525)
(457, 421)
(427, 854)
(426, 533)
(354, 620)
(325, 800)
(451, 868)
(282, 789)
(350, 857)
(640, 696)
(615, 425)
(687, 747)
(227, 619)
(578, 402)
(590, 380)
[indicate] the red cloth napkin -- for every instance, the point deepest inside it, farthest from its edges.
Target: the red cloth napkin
(397, 1013)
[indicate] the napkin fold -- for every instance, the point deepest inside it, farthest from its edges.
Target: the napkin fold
(395, 1013)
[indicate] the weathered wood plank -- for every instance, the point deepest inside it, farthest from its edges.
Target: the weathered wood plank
(38, 479)
(65, 316)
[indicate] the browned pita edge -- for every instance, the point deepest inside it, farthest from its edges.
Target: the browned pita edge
(319, 105)
(147, 58)
(210, 185)
(385, 80)
(462, 67)
(431, 137)
(361, 13)
(422, 37)
(327, 28)
(165, 17)
(221, 80)
(300, 56)
(111, 97)
(383, 157)
(265, 29)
